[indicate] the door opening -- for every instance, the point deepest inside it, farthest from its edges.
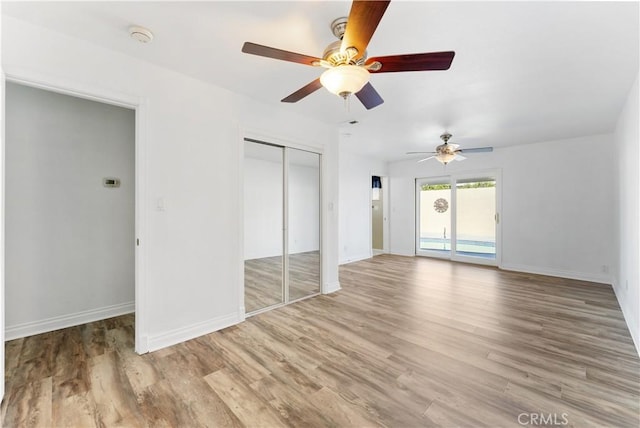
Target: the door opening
(70, 210)
(378, 215)
(457, 217)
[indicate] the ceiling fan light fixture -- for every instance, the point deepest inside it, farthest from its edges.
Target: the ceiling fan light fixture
(344, 80)
(445, 157)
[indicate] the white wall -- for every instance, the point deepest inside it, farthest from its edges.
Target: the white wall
(557, 205)
(355, 205)
(192, 137)
(69, 240)
(263, 195)
(627, 272)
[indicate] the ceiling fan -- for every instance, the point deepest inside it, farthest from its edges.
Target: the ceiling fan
(446, 152)
(348, 67)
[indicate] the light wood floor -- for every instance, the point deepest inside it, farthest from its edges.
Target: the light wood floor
(408, 342)
(263, 279)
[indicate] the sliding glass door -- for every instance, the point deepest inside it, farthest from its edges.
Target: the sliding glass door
(476, 217)
(457, 217)
(281, 225)
(434, 221)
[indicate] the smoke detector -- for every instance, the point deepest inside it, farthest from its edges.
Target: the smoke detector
(141, 34)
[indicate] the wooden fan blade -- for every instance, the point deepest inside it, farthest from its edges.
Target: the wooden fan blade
(363, 20)
(422, 160)
(266, 51)
(369, 97)
(477, 150)
(413, 62)
(303, 92)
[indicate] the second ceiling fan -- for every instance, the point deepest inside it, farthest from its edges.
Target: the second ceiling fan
(446, 152)
(348, 68)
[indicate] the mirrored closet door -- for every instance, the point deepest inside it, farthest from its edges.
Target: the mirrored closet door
(263, 226)
(304, 224)
(281, 225)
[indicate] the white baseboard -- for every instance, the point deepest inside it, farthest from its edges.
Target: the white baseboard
(182, 334)
(403, 253)
(355, 259)
(632, 323)
(331, 287)
(377, 252)
(142, 344)
(604, 279)
(64, 321)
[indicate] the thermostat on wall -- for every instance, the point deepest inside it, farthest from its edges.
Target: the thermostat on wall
(111, 182)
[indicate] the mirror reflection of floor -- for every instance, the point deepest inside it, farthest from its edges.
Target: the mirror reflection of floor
(263, 279)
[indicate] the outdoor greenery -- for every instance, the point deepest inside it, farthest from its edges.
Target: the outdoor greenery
(436, 187)
(476, 185)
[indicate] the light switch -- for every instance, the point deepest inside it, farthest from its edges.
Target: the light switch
(111, 182)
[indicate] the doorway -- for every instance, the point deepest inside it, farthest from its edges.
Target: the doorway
(70, 210)
(378, 214)
(282, 225)
(457, 217)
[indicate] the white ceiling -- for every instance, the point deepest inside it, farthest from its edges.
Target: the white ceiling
(523, 72)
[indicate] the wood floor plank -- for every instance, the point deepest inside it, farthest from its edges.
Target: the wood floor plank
(12, 351)
(35, 361)
(242, 401)
(69, 379)
(343, 412)
(141, 372)
(185, 402)
(94, 338)
(543, 404)
(30, 405)
(615, 379)
(439, 414)
(75, 411)
(237, 356)
(295, 409)
(112, 393)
